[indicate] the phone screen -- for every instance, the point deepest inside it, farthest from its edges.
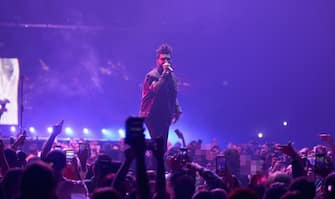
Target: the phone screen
(320, 162)
(134, 129)
(220, 164)
(69, 155)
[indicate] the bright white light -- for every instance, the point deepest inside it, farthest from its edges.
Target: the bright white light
(122, 133)
(13, 129)
(85, 131)
(32, 130)
(285, 123)
(107, 133)
(50, 130)
(104, 131)
(68, 131)
(260, 135)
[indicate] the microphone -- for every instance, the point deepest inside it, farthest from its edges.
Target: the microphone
(168, 66)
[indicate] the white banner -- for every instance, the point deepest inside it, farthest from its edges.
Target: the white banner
(9, 83)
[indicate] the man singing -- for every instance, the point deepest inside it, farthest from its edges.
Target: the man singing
(159, 104)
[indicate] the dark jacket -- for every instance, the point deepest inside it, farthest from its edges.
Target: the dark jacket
(159, 95)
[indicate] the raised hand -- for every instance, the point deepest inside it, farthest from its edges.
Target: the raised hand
(20, 140)
(83, 156)
(325, 137)
(287, 149)
(57, 128)
(129, 154)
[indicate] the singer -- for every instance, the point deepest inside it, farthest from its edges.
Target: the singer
(159, 105)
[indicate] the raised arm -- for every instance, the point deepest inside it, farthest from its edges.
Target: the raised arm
(20, 141)
(327, 138)
(297, 161)
(3, 161)
(57, 129)
(123, 170)
(142, 181)
(212, 180)
(158, 152)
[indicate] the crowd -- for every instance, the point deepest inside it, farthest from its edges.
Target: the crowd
(139, 168)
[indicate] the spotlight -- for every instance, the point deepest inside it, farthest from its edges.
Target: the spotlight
(85, 131)
(122, 133)
(32, 130)
(285, 123)
(68, 131)
(107, 133)
(260, 135)
(50, 130)
(13, 129)
(104, 131)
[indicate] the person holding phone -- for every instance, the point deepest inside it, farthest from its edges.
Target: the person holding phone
(159, 105)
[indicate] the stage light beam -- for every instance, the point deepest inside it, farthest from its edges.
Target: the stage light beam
(260, 135)
(13, 129)
(68, 131)
(50, 130)
(86, 131)
(32, 130)
(122, 133)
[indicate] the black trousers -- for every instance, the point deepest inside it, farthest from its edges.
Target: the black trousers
(157, 127)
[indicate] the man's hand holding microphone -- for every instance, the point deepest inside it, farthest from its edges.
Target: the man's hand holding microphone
(167, 69)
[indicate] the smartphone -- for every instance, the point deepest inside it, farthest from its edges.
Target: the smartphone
(183, 154)
(320, 162)
(69, 155)
(220, 164)
(134, 129)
